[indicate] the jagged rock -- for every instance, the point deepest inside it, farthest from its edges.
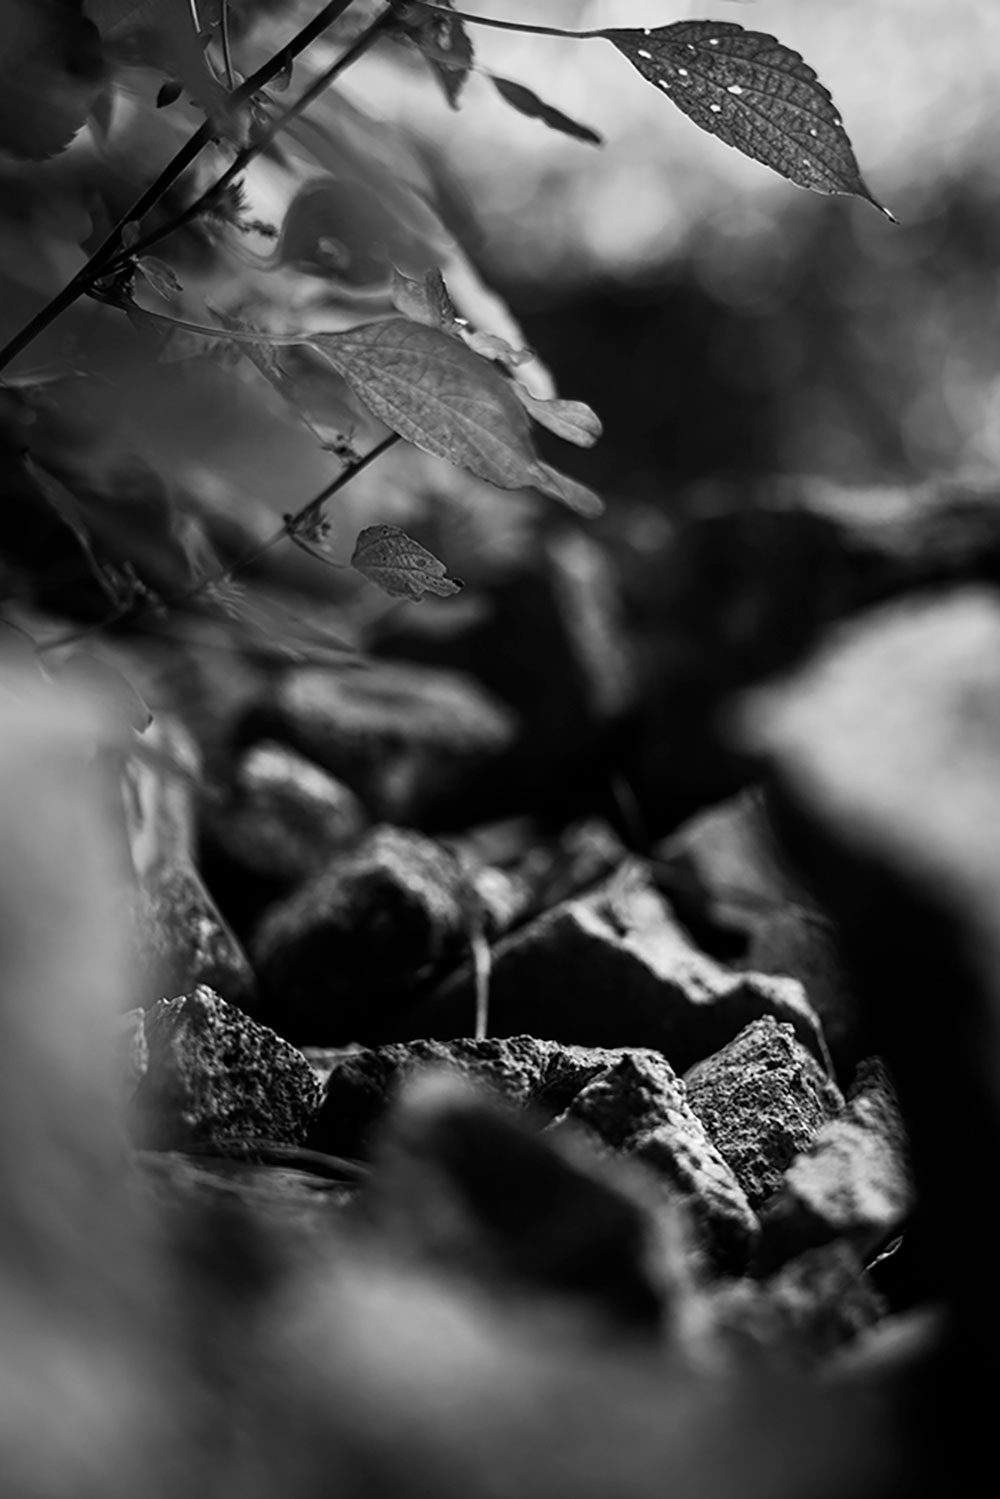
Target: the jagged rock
(416, 744)
(853, 1184)
(280, 825)
(636, 1106)
(214, 1075)
(616, 969)
(343, 957)
(133, 1050)
(460, 1182)
(632, 1103)
(762, 1099)
(814, 1306)
(725, 874)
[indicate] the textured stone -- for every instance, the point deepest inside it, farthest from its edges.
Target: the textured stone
(414, 743)
(762, 1099)
(853, 1184)
(214, 1075)
(616, 969)
(342, 958)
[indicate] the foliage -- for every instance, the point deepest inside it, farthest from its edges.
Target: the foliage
(363, 259)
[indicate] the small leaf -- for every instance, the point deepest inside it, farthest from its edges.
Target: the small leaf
(344, 231)
(400, 566)
(160, 276)
(753, 93)
(446, 43)
(426, 301)
(447, 401)
(168, 93)
(526, 102)
(573, 421)
(492, 346)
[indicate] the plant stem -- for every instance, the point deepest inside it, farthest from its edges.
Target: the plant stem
(523, 26)
(227, 51)
(105, 253)
(243, 158)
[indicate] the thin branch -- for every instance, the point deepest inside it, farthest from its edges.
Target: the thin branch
(106, 252)
(227, 51)
(260, 143)
(491, 21)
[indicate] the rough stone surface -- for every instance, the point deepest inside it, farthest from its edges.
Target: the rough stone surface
(282, 822)
(762, 1099)
(853, 1184)
(630, 1102)
(214, 1075)
(343, 957)
(637, 1107)
(616, 969)
(181, 940)
(414, 743)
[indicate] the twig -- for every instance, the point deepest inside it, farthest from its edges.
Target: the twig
(227, 51)
(108, 250)
(491, 21)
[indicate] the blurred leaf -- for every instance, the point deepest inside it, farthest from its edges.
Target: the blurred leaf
(753, 93)
(110, 688)
(446, 44)
(425, 301)
(527, 102)
(572, 493)
(160, 276)
(342, 230)
(161, 34)
(400, 566)
(492, 346)
(51, 73)
(573, 421)
(168, 93)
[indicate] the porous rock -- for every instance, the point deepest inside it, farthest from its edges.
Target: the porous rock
(214, 1075)
(617, 969)
(853, 1184)
(414, 743)
(762, 1099)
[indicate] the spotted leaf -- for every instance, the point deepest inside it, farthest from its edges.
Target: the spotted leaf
(400, 566)
(754, 93)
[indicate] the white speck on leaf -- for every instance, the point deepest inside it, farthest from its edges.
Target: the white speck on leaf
(734, 88)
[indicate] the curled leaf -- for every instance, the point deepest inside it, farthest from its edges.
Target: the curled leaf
(426, 301)
(527, 102)
(400, 566)
(161, 277)
(754, 93)
(573, 421)
(444, 41)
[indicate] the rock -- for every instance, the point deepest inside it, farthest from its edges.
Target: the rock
(343, 957)
(459, 1182)
(133, 1050)
(853, 1184)
(616, 969)
(281, 823)
(725, 874)
(215, 1076)
(527, 1072)
(631, 1103)
(551, 644)
(416, 744)
(762, 1099)
(814, 1306)
(636, 1106)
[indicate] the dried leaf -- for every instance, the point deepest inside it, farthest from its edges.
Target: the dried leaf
(425, 301)
(754, 93)
(527, 102)
(400, 566)
(573, 421)
(160, 276)
(446, 44)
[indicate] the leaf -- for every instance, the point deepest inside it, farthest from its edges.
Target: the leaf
(400, 566)
(342, 230)
(51, 73)
(425, 301)
(449, 48)
(161, 277)
(162, 34)
(447, 401)
(526, 102)
(753, 93)
(573, 421)
(124, 705)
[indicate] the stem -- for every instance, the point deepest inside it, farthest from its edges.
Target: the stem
(105, 252)
(243, 158)
(523, 26)
(227, 51)
(238, 336)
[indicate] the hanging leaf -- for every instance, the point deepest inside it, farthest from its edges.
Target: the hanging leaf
(344, 231)
(753, 93)
(444, 41)
(526, 102)
(400, 566)
(447, 401)
(425, 301)
(51, 73)
(570, 491)
(573, 421)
